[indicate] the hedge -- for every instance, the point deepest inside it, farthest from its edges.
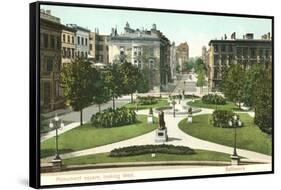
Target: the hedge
(146, 149)
(213, 99)
(114, 118)
(220, 118)
(147, 100)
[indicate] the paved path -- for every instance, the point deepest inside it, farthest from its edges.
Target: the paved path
(176, 137)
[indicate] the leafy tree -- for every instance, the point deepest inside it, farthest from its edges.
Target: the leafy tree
(113, 81)
(253, 75)
(263, 102)
(78, 80)
(233, 83)
(199, 65)
(190, 64)
(201, 79)
(102, 93)
(143, 82)
(130, 75)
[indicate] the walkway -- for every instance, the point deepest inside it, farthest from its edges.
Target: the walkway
(176, 137)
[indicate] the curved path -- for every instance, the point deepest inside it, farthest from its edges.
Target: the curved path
(176, 137)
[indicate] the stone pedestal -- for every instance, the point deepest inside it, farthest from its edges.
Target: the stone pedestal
(161, 135)
(189, 119)
(150, 119)
(56, 165)
(235, 160)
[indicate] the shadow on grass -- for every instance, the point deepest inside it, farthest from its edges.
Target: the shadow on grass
(49, 152)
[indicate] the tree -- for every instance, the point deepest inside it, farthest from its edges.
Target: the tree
(199, 65)
(143, 81)
(113, 81)
(263, 102)
(233, 83)
(78, 80)
(253, 75)
(201, 79)
(130, 77)
(102, 93)
(190, 64)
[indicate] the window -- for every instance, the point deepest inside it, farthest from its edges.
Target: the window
(72, 53)
(91, 47)
(78, 40)
(68, 39)
(86, 41)
(223, 48)
(230, 48)
(58, 42)
(82, 41)
(82, 54)
(46, 40)
(86, 54)
(52, 41)
(253, 52)
(215, 48)
(49, 65)
(63, 38)
(72, 39)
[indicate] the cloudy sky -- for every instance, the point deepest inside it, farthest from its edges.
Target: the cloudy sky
(196, 30)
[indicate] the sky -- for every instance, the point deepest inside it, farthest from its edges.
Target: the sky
(196, 30)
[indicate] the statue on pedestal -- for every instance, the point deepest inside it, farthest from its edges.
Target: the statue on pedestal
(161, 120)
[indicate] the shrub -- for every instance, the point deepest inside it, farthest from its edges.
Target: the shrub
(213, 99)
(114, 118)
(186, 96)
(146, 149)
(220, 118)
(147, 100)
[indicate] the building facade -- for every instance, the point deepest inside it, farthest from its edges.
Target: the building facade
(98, 47)
(149, 50)
(81, 40)
(246, 51)
(50, 62)
(68, 45)
(173, 60)
(182, 55)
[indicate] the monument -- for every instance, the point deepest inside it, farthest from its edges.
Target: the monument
(150, 116)
(161, 133)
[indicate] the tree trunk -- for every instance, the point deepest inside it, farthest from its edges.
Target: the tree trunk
(99, 108)
(132, 98)
(81, 117)
(113, 102)
(239, 105)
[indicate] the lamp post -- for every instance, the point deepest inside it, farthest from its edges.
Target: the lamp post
(235, 122)
(57, 124)
(174, 109)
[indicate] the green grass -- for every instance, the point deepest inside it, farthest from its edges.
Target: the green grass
(227, 106)
(249, 137)
(160, 103)
(201, 155)
(86, 136)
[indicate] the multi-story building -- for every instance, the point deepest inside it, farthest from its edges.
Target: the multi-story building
(173, 60)
(182, 55)
(204, 55)
(147, 49)
(246, 51)
(98, 47)
(81, 40)
(50, 62)
(68, 45)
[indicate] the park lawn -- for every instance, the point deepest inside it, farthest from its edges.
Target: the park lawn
(249, 137)
(87, 136)
(228, 106)
(160, 103)
(200, 155)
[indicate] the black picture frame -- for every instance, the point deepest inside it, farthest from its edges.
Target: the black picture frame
(34, 91)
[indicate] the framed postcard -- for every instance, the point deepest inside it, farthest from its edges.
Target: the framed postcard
(126, 94)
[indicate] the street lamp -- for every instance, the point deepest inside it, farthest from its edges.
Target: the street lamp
(235, 122)
(174, 108)
(56, 123)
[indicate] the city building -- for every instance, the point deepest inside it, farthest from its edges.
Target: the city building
(204, 55)
(147, 49)
(81, 40)
(182, 55)
(50, 62)
(246, 51)
(98, 47)
(68, 45)
(173, 60)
